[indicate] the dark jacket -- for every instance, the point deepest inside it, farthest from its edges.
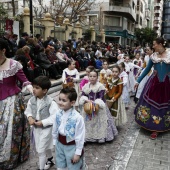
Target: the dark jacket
(43, 61)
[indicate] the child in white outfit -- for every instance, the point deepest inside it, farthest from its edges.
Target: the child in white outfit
(41, 110)
(68, 132)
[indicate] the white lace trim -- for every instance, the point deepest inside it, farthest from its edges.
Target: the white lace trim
(98, 87)
(14, 67)
(155, 59)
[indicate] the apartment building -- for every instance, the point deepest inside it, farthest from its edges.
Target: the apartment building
(117, 18)
(158, 13)
(166, 21)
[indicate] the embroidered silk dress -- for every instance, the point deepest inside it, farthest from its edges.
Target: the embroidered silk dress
(14, 128)
(76, 77)
(153, 109)
(115, 88)
(84, 81)
(125, 94)
(100, 127)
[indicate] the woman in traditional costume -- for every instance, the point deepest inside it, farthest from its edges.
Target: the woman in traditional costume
(99, 124)
(153, 109)
(14, 128)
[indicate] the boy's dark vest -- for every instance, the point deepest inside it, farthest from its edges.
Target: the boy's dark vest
(44, 109)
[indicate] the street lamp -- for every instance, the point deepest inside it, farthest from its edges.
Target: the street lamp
(31, 17)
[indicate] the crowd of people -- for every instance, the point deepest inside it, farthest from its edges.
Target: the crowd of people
(89, 111)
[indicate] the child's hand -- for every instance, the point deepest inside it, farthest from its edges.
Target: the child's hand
(31, 120)
(39, 123)
(75, 159)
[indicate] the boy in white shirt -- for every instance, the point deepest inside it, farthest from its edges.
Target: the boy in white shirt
(68, 132)
(41, 110)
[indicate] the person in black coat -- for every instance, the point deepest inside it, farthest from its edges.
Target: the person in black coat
(23, 41)
(44, 62)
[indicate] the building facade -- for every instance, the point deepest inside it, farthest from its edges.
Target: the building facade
(166, 21)
(158, 14)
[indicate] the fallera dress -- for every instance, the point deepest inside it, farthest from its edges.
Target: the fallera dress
(153, 109)
(100, 127)
(14, 128)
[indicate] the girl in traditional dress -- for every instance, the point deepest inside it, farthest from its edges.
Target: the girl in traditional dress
(124, 77)
(114, 88)
(99, 126)
(129, 67)
(71, 74)
(149, 52)
(137, 61)
(14, 128)
(85, 79)
(104, 73)
(153, 109)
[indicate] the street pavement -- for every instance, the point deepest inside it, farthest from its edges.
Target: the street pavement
(130, 150)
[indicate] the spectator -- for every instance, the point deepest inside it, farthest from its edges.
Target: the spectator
(14, 43)
(99, 63)
(9, 50)
(23, 41)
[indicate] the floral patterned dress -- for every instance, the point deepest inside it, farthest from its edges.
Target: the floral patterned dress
(153, 109)
(14, 128)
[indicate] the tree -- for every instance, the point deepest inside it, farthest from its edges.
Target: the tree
(145, 35)
(61, 9)
(3, 12)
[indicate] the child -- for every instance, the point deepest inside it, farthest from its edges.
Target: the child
(68, 132)
(104, 73)
(85, 79)
(41, 110)
(99, 127)
(129, 67)
(98, 63)
(71, 74)
(114, 91)
(124, 77)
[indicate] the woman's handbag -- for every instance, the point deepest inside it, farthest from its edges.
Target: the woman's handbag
(109, 103)
(67, 84)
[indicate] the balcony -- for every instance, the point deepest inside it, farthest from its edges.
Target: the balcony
(157, 11)
(147, 14)
(157, 25)
(112, 28)
(157, 5)
(121, 9)
(157, 18)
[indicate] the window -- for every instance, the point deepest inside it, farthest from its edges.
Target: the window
(128, 25)
(137, 18)
(141, 7)
(133, 5)
(138, 5)
(112, 21)
(140, 20)
(92, 19)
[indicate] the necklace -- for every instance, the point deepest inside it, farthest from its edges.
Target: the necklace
(3, 62)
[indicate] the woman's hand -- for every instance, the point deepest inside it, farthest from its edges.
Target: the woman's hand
(136, 86)
(31, 120)
(75, 158)
(113, 99)
(30, 88)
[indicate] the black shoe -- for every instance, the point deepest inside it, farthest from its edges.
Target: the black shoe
(49, 163)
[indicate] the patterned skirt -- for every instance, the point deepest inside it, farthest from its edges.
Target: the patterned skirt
(14, 132)
(153, 109)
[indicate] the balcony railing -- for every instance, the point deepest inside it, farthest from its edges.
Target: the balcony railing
(157, 11)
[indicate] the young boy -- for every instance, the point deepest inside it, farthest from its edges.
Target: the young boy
(41, 111)
(104, 73)
(68, 132)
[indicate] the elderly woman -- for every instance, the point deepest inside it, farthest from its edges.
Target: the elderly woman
(153, 109)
